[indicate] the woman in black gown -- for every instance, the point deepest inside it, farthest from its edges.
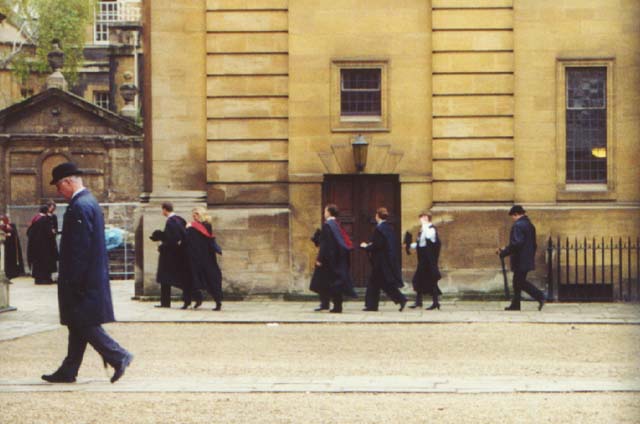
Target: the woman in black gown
(13, 263)
(202, 249)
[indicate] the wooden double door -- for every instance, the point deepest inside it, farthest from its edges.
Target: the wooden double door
(357, 198)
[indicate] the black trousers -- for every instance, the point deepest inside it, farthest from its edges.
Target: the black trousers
(188, 295)
(327, 298)
(521, 284)
(79, 337)
(372, 295)
(165, 295)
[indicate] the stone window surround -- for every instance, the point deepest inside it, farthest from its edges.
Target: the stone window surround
(357, 123)
(583, 192)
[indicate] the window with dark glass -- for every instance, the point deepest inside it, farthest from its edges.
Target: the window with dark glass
(360, 93)
(586, 125)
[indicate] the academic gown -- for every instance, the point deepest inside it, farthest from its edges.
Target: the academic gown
(385, 272)
(42, 250)
(201, 250)
(425, 280)
(333, 276)
(172, 263)
(13, 263)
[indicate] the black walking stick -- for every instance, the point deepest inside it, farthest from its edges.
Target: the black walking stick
(504, 276)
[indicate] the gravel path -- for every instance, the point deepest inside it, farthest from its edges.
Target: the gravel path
(141, 408)
(458, 350)
(216, 351)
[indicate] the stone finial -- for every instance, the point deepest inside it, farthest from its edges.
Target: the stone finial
(128, 91)
(56, 61)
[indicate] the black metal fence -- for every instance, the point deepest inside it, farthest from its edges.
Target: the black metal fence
(595, 269)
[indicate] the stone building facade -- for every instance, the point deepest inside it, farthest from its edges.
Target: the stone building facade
(112, 49)
(467, 107)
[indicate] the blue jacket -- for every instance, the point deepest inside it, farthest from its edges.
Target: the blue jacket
(522, 245)
(84, 294)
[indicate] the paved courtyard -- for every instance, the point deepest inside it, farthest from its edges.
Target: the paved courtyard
(270, 361)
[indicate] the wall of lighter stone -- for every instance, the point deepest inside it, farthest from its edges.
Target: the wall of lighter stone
(178, 94)
(581, 30)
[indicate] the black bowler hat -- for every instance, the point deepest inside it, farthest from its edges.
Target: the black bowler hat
(516, 210)
(64, 170)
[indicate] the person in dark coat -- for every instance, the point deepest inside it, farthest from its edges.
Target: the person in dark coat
(84, 294)
(172, 266)
(201, 250)
(42, 249)
(332, 278)
(13, 263)
(385, 274)
(51, 212)
(522, 249)
(425, 280)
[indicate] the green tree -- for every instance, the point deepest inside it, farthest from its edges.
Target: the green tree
(46, 20)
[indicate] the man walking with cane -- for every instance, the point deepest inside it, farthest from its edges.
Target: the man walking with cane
(522, 249)
(84, 294)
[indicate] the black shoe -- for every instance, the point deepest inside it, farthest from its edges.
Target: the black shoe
(185, 306)
(336, 310)
(370, 310)
(433, 306)
(123, 366)
(198, 303)
(403, 303)
(321, 308)
(541, 304)
(512, 308)
(161, 306)
(58, 377)
(416, 306)
(218, 306)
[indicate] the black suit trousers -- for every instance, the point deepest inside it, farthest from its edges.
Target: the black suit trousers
(372, 295)
(521, 284)
(108, 348)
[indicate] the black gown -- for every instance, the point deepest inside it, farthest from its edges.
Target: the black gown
(42, 250)
(333, 277)
(13, 263)
(425, 280)
(172, 263)
(201, 249)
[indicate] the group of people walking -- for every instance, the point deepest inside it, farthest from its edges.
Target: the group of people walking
(188, 258)
(332, 281)
(42, 246)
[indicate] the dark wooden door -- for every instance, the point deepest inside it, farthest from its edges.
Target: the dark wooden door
(357, 198)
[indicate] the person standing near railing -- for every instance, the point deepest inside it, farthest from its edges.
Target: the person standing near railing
(522, 249)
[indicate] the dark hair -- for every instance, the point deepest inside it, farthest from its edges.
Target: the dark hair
(167, 206)
(382, 212)
(44, 209)
(427, 214)
(50, 203)
(332, 209)
(516, 210)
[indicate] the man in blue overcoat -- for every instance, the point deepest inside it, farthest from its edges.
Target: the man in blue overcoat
(84, 294)
(522, 249)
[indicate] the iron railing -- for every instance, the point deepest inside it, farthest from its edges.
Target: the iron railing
(594, 269)
(122, 260)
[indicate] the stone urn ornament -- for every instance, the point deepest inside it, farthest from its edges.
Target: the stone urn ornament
(56, 61)
(128, 91)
